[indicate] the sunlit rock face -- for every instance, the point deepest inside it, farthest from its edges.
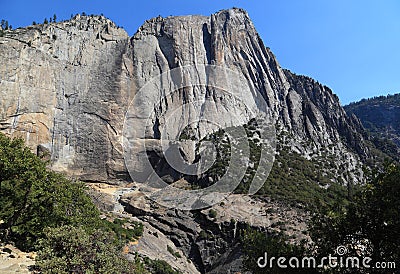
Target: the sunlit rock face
(64, 87)
(70, 87)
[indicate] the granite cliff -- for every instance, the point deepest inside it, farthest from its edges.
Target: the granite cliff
(62, 86)
(66, 87)
(72, 90)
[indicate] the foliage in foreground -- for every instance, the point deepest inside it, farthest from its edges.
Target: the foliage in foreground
(372, 219)
(44, 211)
(33, 198)
(368, 226)
(69, 249)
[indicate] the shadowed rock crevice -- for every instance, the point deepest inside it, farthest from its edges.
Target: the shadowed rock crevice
(207, 42)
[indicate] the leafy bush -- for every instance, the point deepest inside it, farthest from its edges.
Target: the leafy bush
(122, 233)
(212, 213)
(33, 198)
(161, 267)
(174, 253)
(70, 249)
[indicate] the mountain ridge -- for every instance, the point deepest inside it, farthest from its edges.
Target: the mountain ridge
(67, 87)
(380, 116)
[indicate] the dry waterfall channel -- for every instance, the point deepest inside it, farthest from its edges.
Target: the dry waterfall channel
(118, 207)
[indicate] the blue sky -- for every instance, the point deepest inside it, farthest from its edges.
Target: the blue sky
(351, 46)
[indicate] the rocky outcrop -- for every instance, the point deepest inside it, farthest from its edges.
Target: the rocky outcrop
(66, 87)
(206, 243)
(13, 260)
(212, 243)
(316, 111)
(297, 105)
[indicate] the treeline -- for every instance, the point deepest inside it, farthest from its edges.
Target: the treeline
(52, 19)
(388, 99)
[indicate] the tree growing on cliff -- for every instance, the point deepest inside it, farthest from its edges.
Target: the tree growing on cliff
(4, 24)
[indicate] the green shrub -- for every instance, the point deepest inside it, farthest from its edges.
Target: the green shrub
(173, 252)
(70, 249)
(212, 213)
(122, 233)
(161, 267)
(44, 211)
